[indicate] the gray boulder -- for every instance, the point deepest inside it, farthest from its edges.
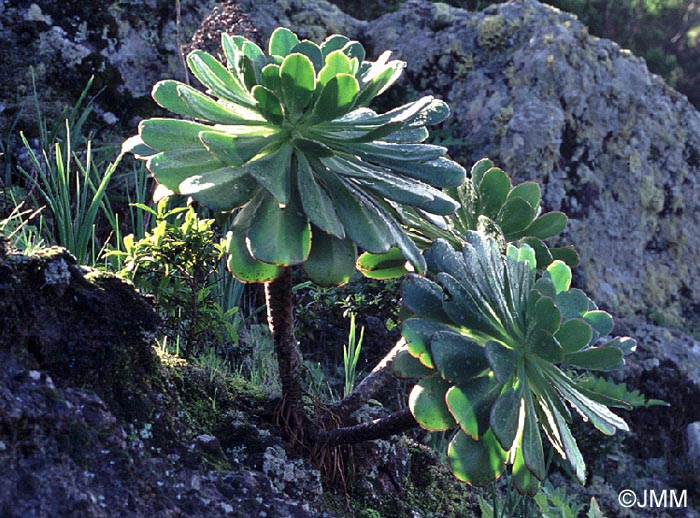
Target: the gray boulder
(612, 145)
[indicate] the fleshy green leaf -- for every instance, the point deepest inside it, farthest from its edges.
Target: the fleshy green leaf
(171, 134)
(171, 168)
(311, 51)
(204, 108)
(600, 415)
(523, 479)
(217, 78)
(333, 43)
(502, 360)
(560, 274)
(543, 344)
(566, 254)
(546, 316)
(364, 222)
(279, 235)
(417, 333)
(505, 414)
(479, 169)
(317, 204)
(336, 63)
(379, 83)
(268, 104)
(626, 344)
(405, 366)
(336, 98)
(236, 150)
(298, 82)
(272, 171)
(270, 76)
(282, 41)
(531, 442)
(388, 265)
(574, 335)
(456, 357)
(493, 191)
(353, 49)
(547, 225)
(470, 404)
(427, 404)
(515, 215)
(221, 189)
(477, 463)
(185, 100)
(528, 191)
(331, 261)
(464, 309)
(543, 255)
(601, 321)
(596, 358)
(422, 297)
(242, 265)
(572, 304)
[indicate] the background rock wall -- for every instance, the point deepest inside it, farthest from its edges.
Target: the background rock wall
(127, 45)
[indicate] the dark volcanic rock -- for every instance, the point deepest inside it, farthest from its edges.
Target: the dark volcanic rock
(83, 328)
(92, 424)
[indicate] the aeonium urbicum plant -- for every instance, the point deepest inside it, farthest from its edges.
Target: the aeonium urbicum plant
(497, 350)
(287, 137)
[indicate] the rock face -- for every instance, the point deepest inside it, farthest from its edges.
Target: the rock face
(613, 147)
(126, 45)
(92, 424)
(82, 328)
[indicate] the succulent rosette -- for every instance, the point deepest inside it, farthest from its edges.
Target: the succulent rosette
(287, 138)
(497, 347)
(488, 203)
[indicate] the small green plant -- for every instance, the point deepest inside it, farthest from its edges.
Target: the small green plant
(549, 502)
(555, 502)
(177, 262)
(496, 343)
(16, 231)
(255, 360)
(351, 354)
(70, 178)
(73, 192)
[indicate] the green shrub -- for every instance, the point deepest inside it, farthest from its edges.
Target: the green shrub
(178, 263)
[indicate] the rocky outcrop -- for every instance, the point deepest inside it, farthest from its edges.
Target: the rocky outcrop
(92, 423)
(82, 328)
(613, 146)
